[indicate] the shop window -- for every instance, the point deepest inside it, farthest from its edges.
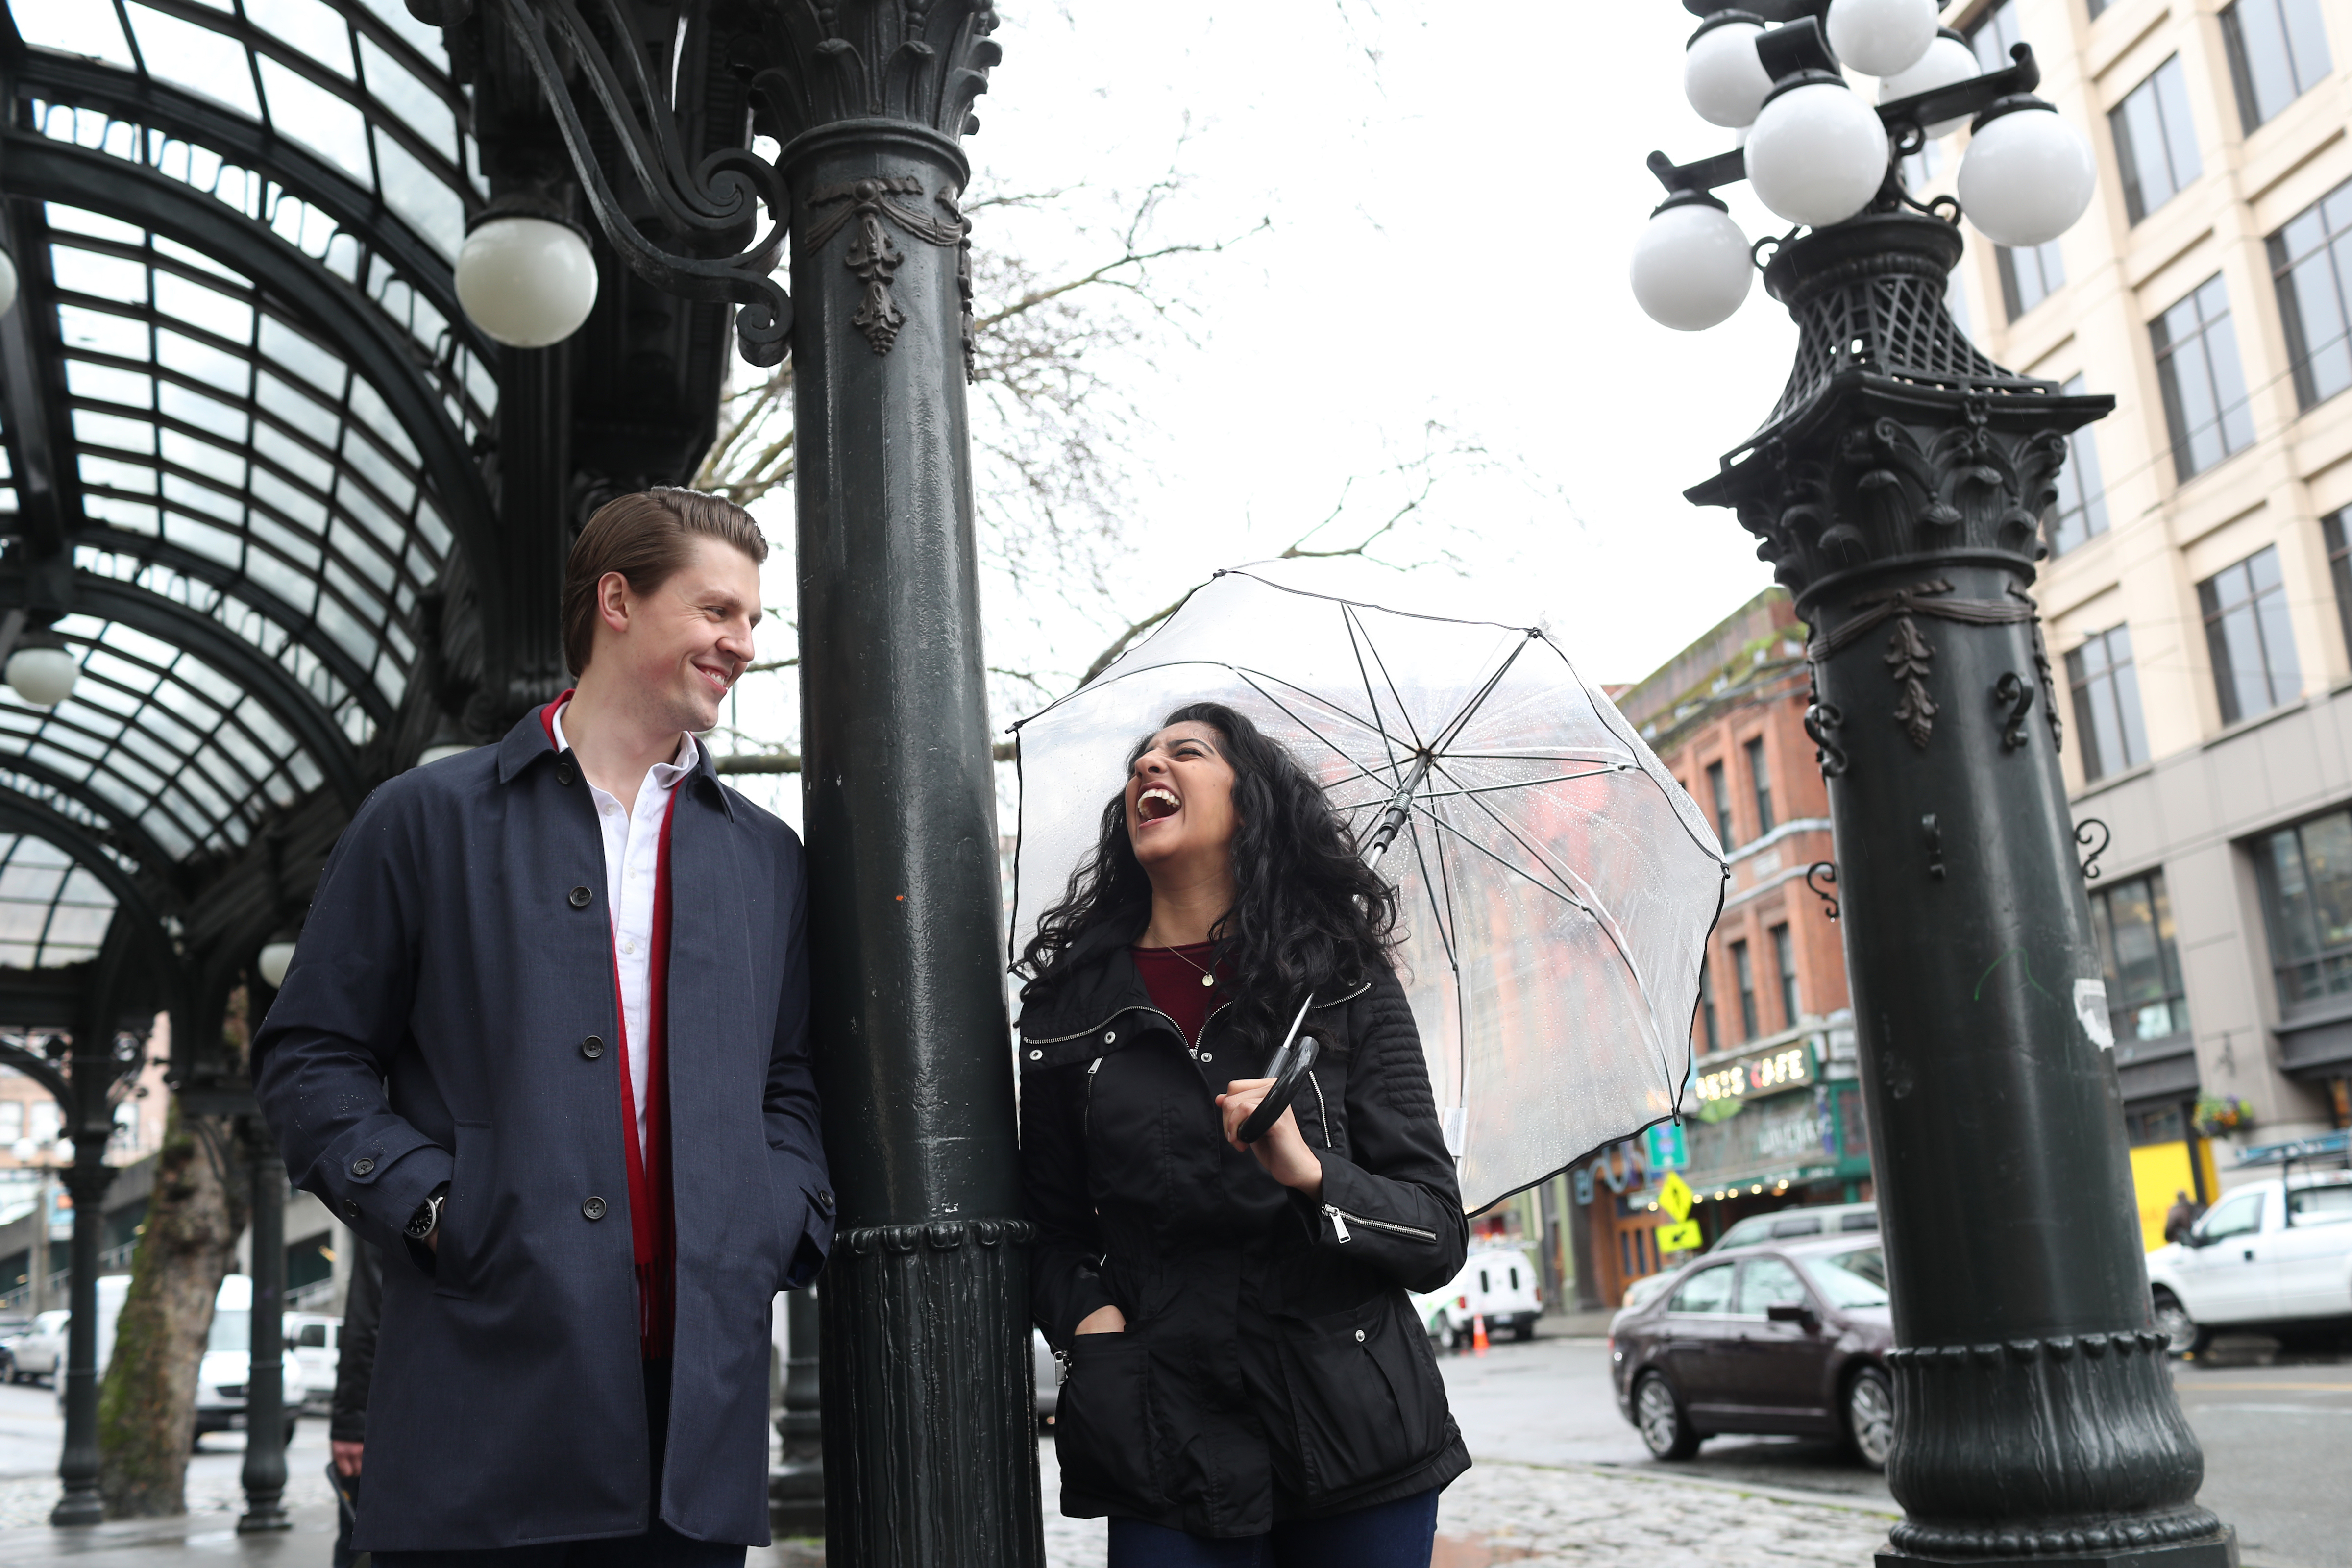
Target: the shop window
(1707, 1005)
(2165, 1125)
(2133, 923)
(2106, 688)
(2079, 512)
(2155, 141)
(1853, 1126)
(1784, 960)
(1718, 791)
(2278, 52)
(1760, 782)
(2029, 276)
(2204, 387)
(2249, 637)
(1746, 975)
(2339, 568)
(2311, 267)
(1994, 36)
(2306, 872)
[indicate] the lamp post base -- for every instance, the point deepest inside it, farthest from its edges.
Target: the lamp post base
(2219, 1551)
(79, 1506)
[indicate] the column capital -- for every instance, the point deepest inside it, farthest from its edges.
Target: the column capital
(920, 62)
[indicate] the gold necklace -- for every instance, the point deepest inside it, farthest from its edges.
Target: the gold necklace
(1206, 977)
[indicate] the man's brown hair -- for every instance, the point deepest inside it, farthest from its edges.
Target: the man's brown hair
(646, 538)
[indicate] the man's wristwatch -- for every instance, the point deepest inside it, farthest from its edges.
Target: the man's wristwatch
(422, 1224)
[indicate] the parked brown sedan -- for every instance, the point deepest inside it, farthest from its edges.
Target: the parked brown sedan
(1787, 1339)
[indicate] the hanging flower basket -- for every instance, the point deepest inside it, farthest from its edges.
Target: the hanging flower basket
(2217, 1117)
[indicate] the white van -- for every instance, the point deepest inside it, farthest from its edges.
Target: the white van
(221, 1376)
(1497, 1283)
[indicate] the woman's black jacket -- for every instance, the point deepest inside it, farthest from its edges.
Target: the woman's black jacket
(1272, 1368)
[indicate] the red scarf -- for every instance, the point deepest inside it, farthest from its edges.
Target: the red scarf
(653, 1221)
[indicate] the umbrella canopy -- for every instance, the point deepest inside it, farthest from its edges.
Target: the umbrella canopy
(1557, 886)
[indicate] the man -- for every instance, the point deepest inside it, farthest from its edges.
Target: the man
(2179, 1216)
(347, 1417)
(545, 1041)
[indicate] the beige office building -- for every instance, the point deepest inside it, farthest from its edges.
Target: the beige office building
(2198, 591)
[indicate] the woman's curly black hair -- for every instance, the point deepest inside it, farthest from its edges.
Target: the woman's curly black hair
(1308, 916)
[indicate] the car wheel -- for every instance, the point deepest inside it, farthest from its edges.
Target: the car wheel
(1659, 1415)
(2187, 1335)
(1525, 1331)
(1870, 1416)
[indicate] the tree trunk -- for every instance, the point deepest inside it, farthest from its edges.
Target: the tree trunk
(146, 1414)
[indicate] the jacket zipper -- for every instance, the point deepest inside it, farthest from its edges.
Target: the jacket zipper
(1340, 1218)
(1087, 1120)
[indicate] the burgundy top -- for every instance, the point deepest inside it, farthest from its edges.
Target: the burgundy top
(1173, 975)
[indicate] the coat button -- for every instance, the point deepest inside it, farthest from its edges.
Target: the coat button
(362, 1165)
(351, 1208)
(563, 773)
(581, 897)
(592, 1047)
(594, 1208)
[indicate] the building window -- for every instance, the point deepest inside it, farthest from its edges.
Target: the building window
(2079, 512)
(2310, 255)
(2029, 276)
(1994, 36)
(12, 1122)
(1744, 974)
(1760, 782)
(2278, 52)
(1719, 790)
(2156, 141)
(2204, 391)
(2246, 630)
(1707, 1005)
(2339, 567)
(2106, 703)
(2133, 921)
(1784, 959)
(2306, 877)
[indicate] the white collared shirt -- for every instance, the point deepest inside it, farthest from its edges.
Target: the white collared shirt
(632, 866)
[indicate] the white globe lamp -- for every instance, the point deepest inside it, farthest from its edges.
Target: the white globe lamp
(1948, 60)
(1881, 38)
(276, 959)
(1721, 75)
(2028, 174)
(526, 281)
(43, 676)
(1692, 265)
(1818, 152)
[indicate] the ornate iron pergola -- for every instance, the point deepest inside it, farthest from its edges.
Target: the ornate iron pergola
(296, 518)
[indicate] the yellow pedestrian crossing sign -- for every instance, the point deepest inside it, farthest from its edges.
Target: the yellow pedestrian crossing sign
(1683, 1238)
(1674, 1196)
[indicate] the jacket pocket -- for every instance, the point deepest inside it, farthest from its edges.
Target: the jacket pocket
(457, 1251)
(1365, 1396)
(1103, 1424)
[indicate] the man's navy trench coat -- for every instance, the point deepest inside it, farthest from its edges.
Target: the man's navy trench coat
(450, 1016)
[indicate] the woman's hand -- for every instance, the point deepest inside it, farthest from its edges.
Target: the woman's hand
(1103, 1321)
(1283, 1151)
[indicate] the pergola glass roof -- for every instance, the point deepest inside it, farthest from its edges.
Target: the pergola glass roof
(252, 409)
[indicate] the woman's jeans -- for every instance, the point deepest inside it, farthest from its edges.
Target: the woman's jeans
(1389, 1535)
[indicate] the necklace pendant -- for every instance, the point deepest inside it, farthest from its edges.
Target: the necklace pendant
(1208, 980)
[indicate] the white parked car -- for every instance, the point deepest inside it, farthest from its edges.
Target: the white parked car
(2274, 1255)
(221, 1376)
(1497, 1283)
(316, 1341)
(40, 1349)
(51, 1348)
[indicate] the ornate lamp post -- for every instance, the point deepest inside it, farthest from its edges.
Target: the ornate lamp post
(929, 1450)
(1897, 488)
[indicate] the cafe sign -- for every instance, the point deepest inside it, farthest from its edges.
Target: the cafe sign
(1766, 1071)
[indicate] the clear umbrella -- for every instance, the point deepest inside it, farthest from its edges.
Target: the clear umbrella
(1558, 885)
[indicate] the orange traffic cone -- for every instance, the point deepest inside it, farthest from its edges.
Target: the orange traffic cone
(1478, 1334)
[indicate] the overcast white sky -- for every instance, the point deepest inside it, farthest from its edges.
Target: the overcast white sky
(1452, 193)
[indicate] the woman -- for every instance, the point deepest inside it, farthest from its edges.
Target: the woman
(1249, 1383)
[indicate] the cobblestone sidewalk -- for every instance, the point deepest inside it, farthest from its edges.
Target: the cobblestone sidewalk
(1588, 1516)
(27, 1499)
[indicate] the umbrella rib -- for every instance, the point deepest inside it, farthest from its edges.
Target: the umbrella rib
(1357, 638)
(1478, 699)
(1607, 923)
(1251, 678)
(1522, 784)
(1443, 911)
(1389, 681)
(1461, 996)
(1563, 894)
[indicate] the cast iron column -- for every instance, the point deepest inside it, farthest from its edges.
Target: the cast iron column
(87, 1179)
(1898, 490)
(930, 1443)
(264, 1385)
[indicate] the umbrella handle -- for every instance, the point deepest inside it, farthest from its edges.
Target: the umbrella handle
(1288, 1070)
